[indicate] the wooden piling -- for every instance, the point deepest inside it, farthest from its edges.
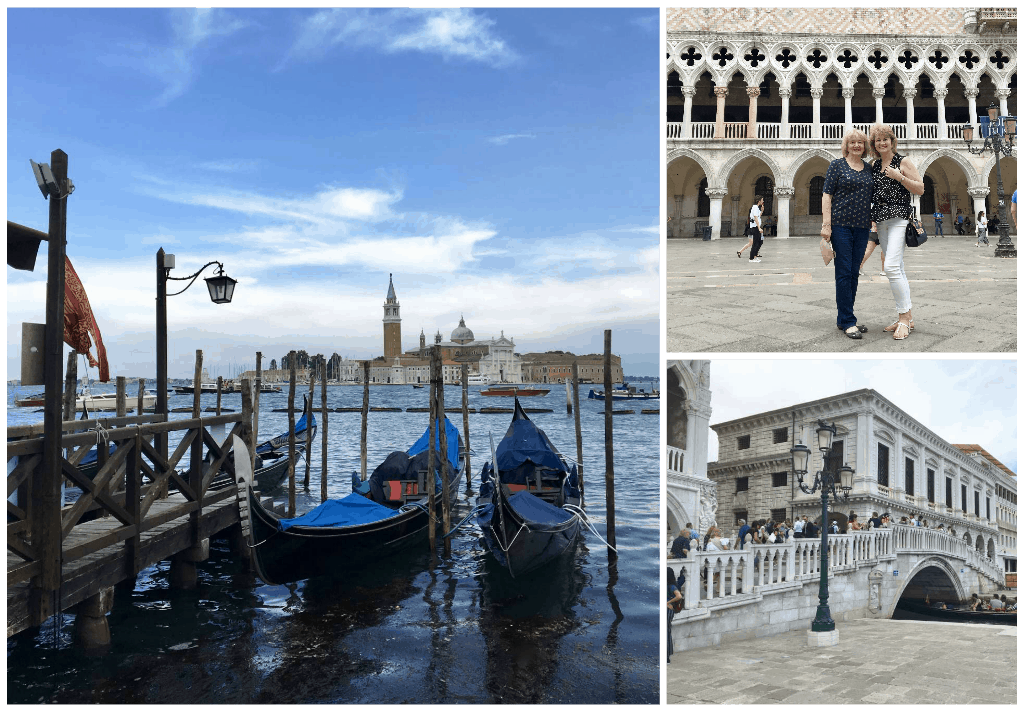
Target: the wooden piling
(256, 407)
(248, 435)
(141, 397)
(70, 381)
(366, 410)
(220, 388)
(465, 422)
(568, 396)
(44, 498)
(579, 435)
(291, 434)
(323, 431)
(446, 513)
(431, 427)
(122, 396)
(309, 430)
(195, 469)
(609, 450)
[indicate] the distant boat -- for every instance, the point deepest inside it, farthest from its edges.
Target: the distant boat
(626, 392)
(417, 385)
(513, 391)
(107, 402)
(36, 400)
(479, 379)
(190, 389)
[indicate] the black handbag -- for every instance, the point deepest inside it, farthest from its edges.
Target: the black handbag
(915, 236)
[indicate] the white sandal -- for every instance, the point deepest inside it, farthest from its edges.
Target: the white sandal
(892, 326)
(905, 330)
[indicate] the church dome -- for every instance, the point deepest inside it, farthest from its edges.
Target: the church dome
(462, 334)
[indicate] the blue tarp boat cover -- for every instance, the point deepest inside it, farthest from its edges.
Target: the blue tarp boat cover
(537, 511)
(451, 432)
(282, 439)
(92, 456)
(524, 442)
(353, 510)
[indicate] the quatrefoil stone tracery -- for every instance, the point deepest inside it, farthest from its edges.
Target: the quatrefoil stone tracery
(908, 59)
(817, 58)
(691, 56)
(754, 57)
(999, 59)
(786, 57)
(723, 56)
(938, 59)
(877, 58)
(969, 59)
(847, 58)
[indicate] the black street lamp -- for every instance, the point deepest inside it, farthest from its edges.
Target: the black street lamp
(826, 479)
(1002, 132)
(221, 288)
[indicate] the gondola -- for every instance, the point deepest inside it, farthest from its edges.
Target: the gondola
(270, 472)
(960, 615)
(529, 504)
(279, 445)
(383, 515)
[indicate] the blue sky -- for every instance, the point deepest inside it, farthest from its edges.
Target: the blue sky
(503, 164)
(963, 401)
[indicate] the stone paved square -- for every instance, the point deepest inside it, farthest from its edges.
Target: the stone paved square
(965, 299)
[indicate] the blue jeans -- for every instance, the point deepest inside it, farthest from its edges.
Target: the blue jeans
(849, 244)
(938, 228)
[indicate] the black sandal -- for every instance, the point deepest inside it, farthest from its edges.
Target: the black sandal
(862, 329)
(853, 332)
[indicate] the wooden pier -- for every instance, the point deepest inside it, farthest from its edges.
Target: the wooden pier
(124, 521)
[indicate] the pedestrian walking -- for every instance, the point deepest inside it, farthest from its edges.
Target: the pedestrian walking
(754, 232)
(960, 221)
(982, 228)
(846, 222)
(896, 178)
(938, 222)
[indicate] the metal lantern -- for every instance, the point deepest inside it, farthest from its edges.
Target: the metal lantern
(993, 112)
(801, 458)
(846, 478)
(968, 131)
(825, 434)
(222, 288)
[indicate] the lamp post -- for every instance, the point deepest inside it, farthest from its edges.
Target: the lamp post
(1002, 132)
(826, 480)
(221, 288)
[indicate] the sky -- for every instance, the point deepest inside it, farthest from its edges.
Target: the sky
(502, 164)
(962, 401)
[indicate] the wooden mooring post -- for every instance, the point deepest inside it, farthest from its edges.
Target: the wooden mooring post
(70, 381)
(431, 428)
(579, 435)
(446, 474)
(309, 430)
(609, 449)
(183, 573)
(140, 404)
(291, 434)
(366, 411)
(121, 401)
(323, 431)
(256, 407)
(465, 422)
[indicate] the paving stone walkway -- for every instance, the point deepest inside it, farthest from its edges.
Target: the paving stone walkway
(876, 662)
(965, 299)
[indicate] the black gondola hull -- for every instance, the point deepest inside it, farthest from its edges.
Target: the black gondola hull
(520, 545)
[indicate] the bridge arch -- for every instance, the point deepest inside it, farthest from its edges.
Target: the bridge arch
(934, 576)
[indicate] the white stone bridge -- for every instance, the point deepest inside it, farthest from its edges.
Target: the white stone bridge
(767, 589)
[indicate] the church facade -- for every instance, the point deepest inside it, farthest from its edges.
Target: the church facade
(760, 98)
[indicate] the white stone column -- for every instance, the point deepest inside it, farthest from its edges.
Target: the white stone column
(848, 100)
(940, 99)
(752, 92)
(862, 466)
(978, 195)
(1003, 95)
(878, 94)
(816, 93)
(972, 106)
(691, 441)
(720, 94)
(735, 212)
(784, 94)
(896, 473)
(688, 93)
(909, 95)
(715, 195)
(952, 212)
(783, 196)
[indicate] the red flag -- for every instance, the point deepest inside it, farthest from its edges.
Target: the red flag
(79, 322)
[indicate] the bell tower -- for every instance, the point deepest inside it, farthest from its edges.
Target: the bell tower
(392, 323)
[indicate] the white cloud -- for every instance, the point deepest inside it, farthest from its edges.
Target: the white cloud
(503, 139)
(453, 32)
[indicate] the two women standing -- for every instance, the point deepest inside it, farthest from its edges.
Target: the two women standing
(858, 197)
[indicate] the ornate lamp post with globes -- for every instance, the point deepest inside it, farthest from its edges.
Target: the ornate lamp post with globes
(838, 484)
(1002, 132)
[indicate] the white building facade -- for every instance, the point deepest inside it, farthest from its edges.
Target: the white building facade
(901, 468)
(691, 497)
(760, 98)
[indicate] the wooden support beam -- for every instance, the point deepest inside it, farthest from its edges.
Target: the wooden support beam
(576, 407)
(195, 460)
(256, 409)
(309, 430)
(366, 410)
(121, 397)
(323, 431)
(465, 422)
(609, 449)
(291, 435)
(133, 505)
(70, 379)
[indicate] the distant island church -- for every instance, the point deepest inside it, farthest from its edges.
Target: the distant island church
(493, 360)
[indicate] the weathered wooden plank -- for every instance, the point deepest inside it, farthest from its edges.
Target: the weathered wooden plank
(21, 574)
(70, 425)
(21, 472)
(95, 490)
(132, 500)
(16, 544)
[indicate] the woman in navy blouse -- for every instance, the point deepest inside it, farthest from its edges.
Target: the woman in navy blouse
(846, 221)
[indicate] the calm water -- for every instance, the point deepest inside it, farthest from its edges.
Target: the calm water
(406, 631)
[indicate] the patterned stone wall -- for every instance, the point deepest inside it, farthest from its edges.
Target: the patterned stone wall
(938, 22)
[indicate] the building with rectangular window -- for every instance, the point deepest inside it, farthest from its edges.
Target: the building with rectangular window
(901, 467)
(760, 98)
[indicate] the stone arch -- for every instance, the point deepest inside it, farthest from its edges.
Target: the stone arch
(725, 171)
(941, 571)
(797, 162)
(678, 516)
(990, 550)
(979, 544)
(677, 391)
(986, 171)
(697, 158)
(973, 179)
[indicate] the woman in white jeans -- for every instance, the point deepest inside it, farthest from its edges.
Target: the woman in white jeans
(896, 179)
